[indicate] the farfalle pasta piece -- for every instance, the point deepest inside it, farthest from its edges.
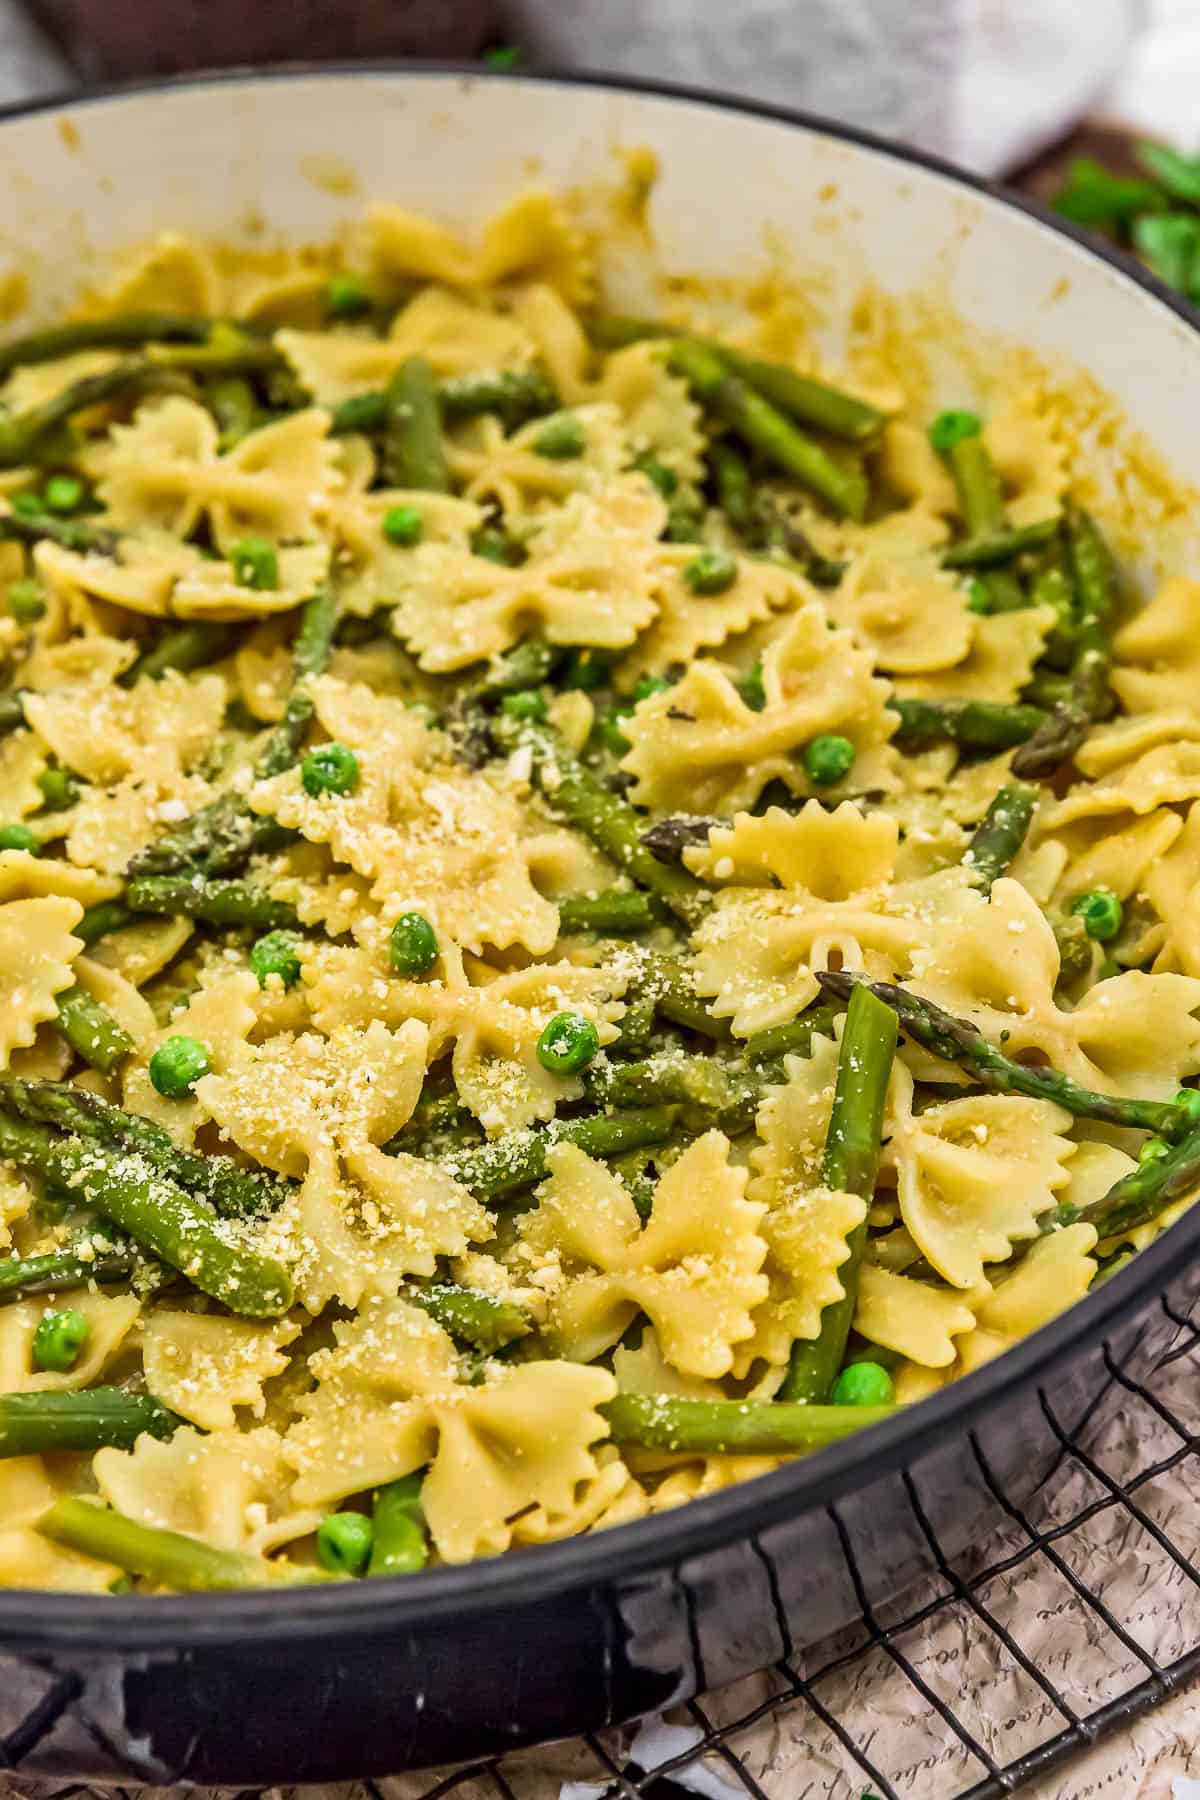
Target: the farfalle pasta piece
(918, 1320)
(698, 747)
(164, 578)
(998, 664)
(202, 1366)
(909, 467)
(171, 274)
(110, 1320)
(531, 239)
(27, 1559)
(37, 949)
(22, 760)
(164, 472)
(588, 579)
(389, 1401)
(1134, 1034)
(230, 1488)
(974, 1175)
(1024, 441)
(317, 1108)
(658, 411)
(1156, 656)
(829, 853)
(1052, 1275)
(806, 1225)
(220, 1015)
(906, 609)
(508, 470)
(694, 1271)
(372, 572)
(1169, 879)
(685, 624)
(149, 732)
(758, 949)
(33, 384)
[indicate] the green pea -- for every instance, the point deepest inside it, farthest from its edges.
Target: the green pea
(567, 1043)
(329, 769)
(979, 600)
(711, 572)
(828, 759)
(1189, 1099)
(64, 494)
(863, 1384)
(26, 601)
(526, 703)
(403, 525)
(59, 789)
(608, 729)
(19, 837)
(278, 953)
(656, 472)
(414, 945)
(59, 1340)
(255, 563)
(344, 1542)
(751, 688)
(561, 437)
(346, 296)
(177, 1065)
(950, 428)
(1101, 912)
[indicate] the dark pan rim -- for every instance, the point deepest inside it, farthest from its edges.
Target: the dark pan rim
(116, 1625)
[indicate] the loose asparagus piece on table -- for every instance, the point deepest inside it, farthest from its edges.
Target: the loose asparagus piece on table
(479, 1319)
(216, 902)
(42, 1424)
(851, 1163)
(413, 453)
(91, 1030)
(509, 1163)
(176, 1227)
(616, 913)
(167, 1559)
(1060, 736)
(579, 797)
(770, 432)
(1000, 834)
(401, 1543)
(973, 724)
(815, 403)
(21, 1275)
(959, 1041)
(221, 838)
(228, 1188)
(733, 1427)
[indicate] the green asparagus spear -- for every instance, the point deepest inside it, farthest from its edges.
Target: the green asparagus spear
(615, 913)
(709, 1092)
(21, 1275)
(1052, 587)
(814, 403)
(959, 1041)
(233, 903)
(22, 433)
(233, 404)
(183, 647)
(515, 394)
(401, 1542)
(851, 1163)
(997, 547)
(1139, 1197)
(763, 524)
(510, 1163)
(973, 724)
(1000, 834)
(733, 1427)
(12, 710)
(794, 1039)
(177, 1228)
(476, 1318)
(166, 1559)
(122, 331)
(767, 430)
(668, 984)
(91, 1030)
(221, 838)
(984, 515)
(229, 1188)
(99, 920)
(72, 534)
(580, 798)
(1057, 740)
(527, 665)
(413, 454)
(44, 1423)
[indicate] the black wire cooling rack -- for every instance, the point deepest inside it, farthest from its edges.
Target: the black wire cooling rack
(1111, 1504)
